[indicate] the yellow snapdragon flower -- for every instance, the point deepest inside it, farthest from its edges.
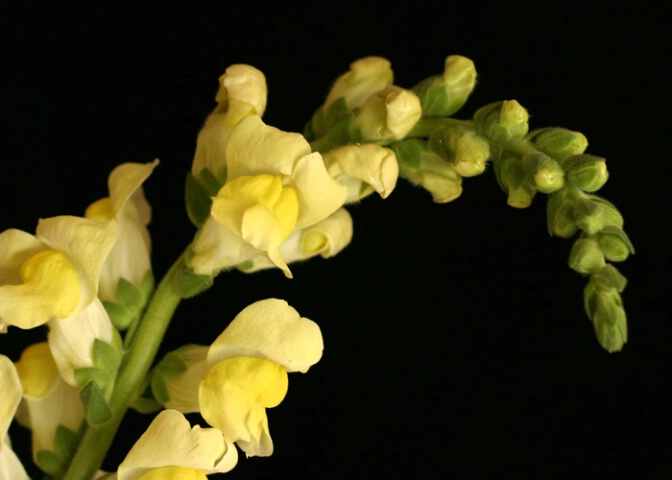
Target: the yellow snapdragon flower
(244, 372)
(249, 363)
(274, 186)
(170, 449)
(53, 274)
(10, 386)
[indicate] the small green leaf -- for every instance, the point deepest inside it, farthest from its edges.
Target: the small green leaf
(51, 463)
(65, 442)
(97, 410)
(172, 366)
(188, 284)
(129, 295)
(197, 200)
(105, 356)
(92, 374)
(159, 389)
(119, 315)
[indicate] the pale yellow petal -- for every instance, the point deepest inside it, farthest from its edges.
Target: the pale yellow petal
(217, 247)
(243, 88)
(171, 441)
(234, 397)
(183, 390)
(126, 179)
(10, 465)
(364, 169)
(11, 389)
(366, 77)
(16, 247)
(319, 195)
(274, 330)
(255, 148)
(48, 400)
(86, 243)
(71, 339)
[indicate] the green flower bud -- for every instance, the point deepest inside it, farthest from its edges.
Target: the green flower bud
(593, 213)
(420, 166)
(463, 148)
(521, 197)
(586, 257)
(547, 173)
(615, 243)
(501, 121)
(608, 277)
(560, 215)
(443, 95)
(512, 178)
(558, 143)
(586, 172)
(605, 309)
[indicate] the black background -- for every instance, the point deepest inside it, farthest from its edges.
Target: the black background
(456, 342)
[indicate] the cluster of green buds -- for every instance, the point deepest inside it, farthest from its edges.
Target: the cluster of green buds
(436, 151)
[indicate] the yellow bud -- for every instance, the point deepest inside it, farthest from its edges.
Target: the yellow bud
(36, 369)
(101, 210)
(366, 77)
(174, 473)
(52, 281)
(389, 114)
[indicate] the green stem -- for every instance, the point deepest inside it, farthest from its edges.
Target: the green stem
(137, 361)
(427, 125)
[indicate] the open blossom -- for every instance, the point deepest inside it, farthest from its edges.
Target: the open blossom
(244, 372)
(274, 186)
(126, 205)
(249, 363)
(10, 386)
(172, 449)
(53, 274)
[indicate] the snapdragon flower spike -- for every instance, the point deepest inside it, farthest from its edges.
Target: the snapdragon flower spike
(248, 370)
(171, 449)
(274, 186)
(10, 386)
(50, 403)
(53, 274)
